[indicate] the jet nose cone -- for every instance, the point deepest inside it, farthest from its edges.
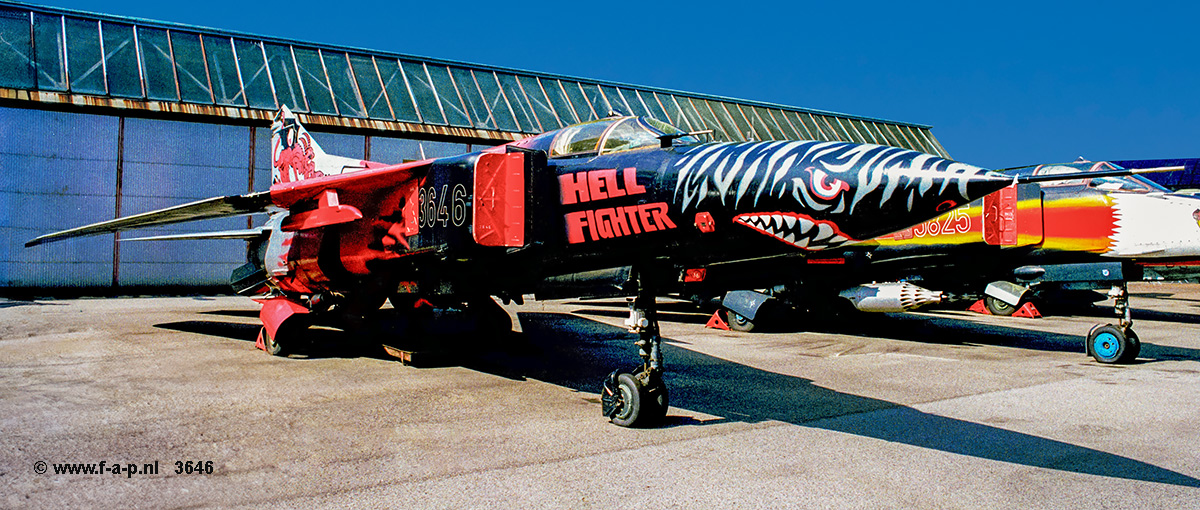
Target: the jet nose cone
(842, 192)
(984, 184)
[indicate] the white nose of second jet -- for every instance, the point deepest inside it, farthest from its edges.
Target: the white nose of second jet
(1155, 226)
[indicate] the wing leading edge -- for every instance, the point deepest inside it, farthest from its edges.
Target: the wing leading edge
(216, 207)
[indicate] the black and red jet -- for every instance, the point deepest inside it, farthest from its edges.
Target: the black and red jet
(622, 191)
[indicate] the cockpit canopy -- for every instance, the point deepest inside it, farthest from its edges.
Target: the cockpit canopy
(604, 136)
(1134, 183)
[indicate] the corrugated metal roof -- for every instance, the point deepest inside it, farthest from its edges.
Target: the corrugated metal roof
(61, 56)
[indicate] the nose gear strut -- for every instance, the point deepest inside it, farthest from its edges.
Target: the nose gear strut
(1115, 344)
(638, 398)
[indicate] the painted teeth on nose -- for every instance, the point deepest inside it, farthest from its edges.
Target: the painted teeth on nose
(805, 224)
(777, 220)
(790, 238)
(824, 231)
(790, 220)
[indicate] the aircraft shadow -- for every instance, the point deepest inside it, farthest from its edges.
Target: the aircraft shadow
(1106, 314)
(253, 314)
(577, 353)
(14, 304)
(318, 343)
(679, 317)
(935, 327)
(1163, 295)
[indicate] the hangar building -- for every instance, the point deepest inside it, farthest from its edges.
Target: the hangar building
(104, 116)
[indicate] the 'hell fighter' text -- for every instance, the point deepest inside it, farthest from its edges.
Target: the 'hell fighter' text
(608, 222)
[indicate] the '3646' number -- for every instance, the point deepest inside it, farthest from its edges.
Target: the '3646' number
(434, 208)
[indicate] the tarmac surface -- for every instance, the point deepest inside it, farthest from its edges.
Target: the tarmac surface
(932, 410)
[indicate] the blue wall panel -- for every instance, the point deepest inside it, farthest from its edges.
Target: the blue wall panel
(169, 163)
(57, 170)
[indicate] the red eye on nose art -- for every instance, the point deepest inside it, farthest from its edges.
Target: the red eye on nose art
(1196, 215)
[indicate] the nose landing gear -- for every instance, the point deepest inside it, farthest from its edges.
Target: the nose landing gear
(639, 398)
(1108, 343)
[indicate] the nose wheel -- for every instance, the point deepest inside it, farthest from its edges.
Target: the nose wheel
(1108, 343)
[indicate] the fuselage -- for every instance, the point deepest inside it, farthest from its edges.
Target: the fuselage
(1127, 218)
(613, 193)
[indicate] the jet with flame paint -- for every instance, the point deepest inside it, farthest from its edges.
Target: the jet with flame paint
(1095, 231)
(452, 232)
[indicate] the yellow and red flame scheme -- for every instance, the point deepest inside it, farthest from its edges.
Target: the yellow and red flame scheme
(1124, 217)
(1082, 224)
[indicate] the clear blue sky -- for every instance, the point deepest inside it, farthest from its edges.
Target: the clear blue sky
(1002, 83)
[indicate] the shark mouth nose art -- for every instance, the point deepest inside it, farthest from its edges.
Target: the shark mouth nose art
(795, 229)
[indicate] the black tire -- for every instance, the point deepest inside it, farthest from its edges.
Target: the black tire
(273, 346)
(1108, 344)
(1132, 349)
(628, 395)
(655, 402)
(739, 322)
(998, 307)
(634, 400)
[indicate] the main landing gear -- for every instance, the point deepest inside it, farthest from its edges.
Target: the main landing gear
(1109, 343)
(639, 398)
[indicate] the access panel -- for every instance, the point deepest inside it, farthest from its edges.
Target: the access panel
(499, 200)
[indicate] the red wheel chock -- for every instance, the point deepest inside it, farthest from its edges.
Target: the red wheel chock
(979, 307)
(1027, 310)
(716, 322)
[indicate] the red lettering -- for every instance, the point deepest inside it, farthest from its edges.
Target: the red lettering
(604, 223)
(596, 186)
(573, 188)
(591, 217)
(575, 223)
(620, 226)
(615, 222)
(580, 187)
(631, 213)
(631, 185)
(644, 215)
(659, 211)
(609, 178)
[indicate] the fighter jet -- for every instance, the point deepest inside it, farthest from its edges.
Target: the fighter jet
(346, 234)
(1097, 230)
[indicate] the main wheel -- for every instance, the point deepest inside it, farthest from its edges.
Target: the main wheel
(274, 347)
(629, 402)
(289, 337)
(1108, 344)
(739, 322)
(998, 307)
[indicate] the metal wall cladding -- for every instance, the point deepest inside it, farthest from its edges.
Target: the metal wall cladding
(57, 170)
(60, 170)
(262, 159)
(349, 146)
(168, 163)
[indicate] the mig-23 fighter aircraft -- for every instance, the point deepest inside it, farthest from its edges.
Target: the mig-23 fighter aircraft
(1094, 231)
(345, 234)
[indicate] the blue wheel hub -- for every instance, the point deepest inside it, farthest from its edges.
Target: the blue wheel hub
(1106, 345)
